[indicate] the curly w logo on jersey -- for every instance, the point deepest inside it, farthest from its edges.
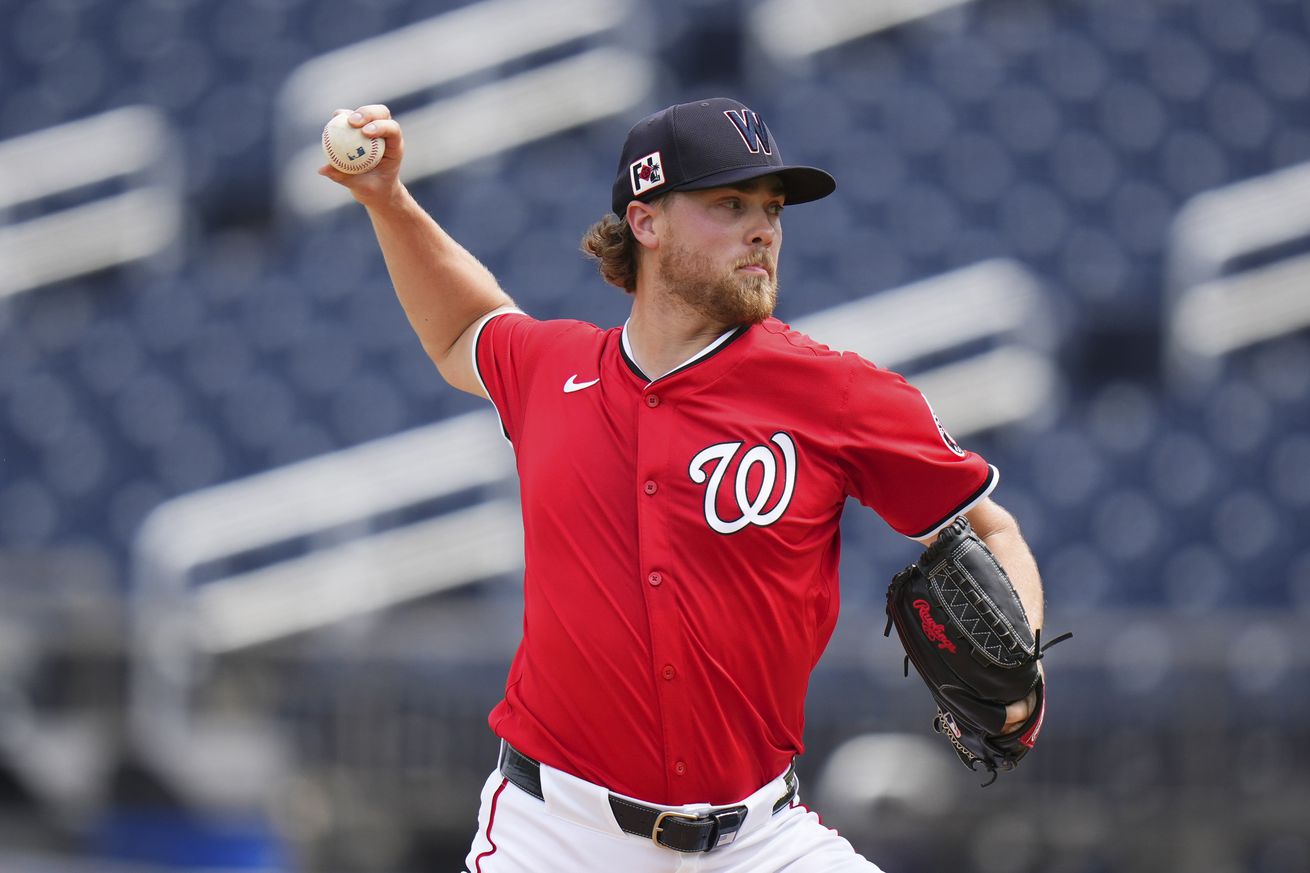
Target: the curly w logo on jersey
(754, 494)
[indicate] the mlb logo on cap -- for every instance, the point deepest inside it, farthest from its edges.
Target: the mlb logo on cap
(647, 173)
(706, 144)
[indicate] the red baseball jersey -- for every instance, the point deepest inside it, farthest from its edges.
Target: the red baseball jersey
(681, 541)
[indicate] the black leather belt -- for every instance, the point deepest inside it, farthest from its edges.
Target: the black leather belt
(679, 831)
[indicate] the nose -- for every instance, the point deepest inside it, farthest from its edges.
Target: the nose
(763, 232)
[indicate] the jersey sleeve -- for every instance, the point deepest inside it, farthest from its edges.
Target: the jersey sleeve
(900, 460)
(512, 351)
(503, 350)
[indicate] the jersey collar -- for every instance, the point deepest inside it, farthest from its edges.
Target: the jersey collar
(718, 345)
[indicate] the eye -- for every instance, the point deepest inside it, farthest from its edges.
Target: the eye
(775, 209)
(732, 203)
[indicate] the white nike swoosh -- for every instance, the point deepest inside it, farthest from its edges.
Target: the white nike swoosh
(570, 386)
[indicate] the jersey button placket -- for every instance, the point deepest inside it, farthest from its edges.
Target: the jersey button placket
(650, 486)
(656, 469)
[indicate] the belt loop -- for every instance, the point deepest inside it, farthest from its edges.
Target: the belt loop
(791, 784)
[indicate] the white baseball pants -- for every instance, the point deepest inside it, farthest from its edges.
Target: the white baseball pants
(573, 831)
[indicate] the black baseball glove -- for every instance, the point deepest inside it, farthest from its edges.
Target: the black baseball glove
(966, 632)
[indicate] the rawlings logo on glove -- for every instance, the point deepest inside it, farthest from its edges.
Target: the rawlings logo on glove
(931, 629)
(965, 630)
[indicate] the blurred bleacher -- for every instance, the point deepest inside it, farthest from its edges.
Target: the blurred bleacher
(186, 308)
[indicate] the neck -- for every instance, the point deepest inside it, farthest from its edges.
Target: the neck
(663, 333)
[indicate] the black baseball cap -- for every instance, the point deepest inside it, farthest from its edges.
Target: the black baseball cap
(705, 144)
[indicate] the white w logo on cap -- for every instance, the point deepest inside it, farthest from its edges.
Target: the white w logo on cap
(752, 129)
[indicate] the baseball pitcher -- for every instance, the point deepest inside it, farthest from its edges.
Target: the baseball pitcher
(683, 477)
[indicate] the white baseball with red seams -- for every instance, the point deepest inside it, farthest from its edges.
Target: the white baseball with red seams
(348, 148)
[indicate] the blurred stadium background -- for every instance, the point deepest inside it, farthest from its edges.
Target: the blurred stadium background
(259, 567)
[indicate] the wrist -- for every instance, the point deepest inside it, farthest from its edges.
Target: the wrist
(394, 199)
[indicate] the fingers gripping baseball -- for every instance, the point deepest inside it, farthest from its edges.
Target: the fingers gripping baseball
(361, 126)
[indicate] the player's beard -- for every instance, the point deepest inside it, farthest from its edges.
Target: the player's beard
(726, 297)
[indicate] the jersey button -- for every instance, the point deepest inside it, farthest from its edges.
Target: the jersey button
(652, 400)
(668, 672)
(650, 487)
(680, 768)
(655, 578)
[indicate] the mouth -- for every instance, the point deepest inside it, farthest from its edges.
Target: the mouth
(756, 269)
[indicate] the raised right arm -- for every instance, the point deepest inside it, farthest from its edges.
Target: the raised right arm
(444, 290)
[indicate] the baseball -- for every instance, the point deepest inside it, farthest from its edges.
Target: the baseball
(348, 149)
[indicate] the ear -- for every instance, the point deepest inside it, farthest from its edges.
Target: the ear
(642, 220)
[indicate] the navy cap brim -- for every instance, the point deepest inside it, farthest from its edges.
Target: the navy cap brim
(802, 184)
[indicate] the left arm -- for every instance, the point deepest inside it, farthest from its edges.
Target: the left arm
(999, 531)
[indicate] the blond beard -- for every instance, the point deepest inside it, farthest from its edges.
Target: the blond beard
(726, 298)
